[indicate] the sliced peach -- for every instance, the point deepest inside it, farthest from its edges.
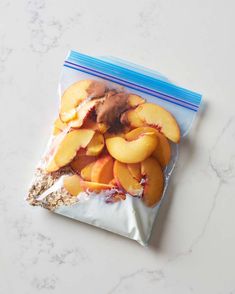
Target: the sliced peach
(130, 118)
(78, 92)
(59, 126)
(52, 166)
(81, 161)
(96, 145)
(81, 152)
(73, 184)
(135, 100)
(89, 124)
(73, 96)
(102, 127)
(86, 171)
(112, 135)
(82, 113)
(125, 180)
(134, 169)
(113, 182)
(69, 115)
(163, 151)
(157, 117)
(102, 171)
(93, 125)
(137, 132)
(132, 151)
(151, 170)
(70, 144)
(95, 187)
(56, 131)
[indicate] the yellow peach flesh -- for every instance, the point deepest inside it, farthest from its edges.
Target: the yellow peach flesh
(125, 180)
(155, 115)
(73, 184)
(96, 145)
(132, 151)
(70, 144)
(86, 171)
(151, 170)
(102, 171)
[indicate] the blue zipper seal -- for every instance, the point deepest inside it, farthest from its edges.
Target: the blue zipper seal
(134, 80)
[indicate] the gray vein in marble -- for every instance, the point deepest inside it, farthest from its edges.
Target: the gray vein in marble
(151, 276)
(225, 127)
(71, 256)
(215, 169)
(5, 52)
(46, 283)
(45, 32)
(35, 248)
(198, 238)
(149, 18)
(226, 171)
(221, 176)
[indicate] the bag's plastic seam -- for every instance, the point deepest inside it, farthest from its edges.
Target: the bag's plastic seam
(159, 95)
(164, 87)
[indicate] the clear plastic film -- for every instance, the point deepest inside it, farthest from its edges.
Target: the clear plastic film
(69, 186)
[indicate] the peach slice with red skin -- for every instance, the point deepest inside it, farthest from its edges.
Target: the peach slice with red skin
(134, 169)
(81, 161)
(122, 133)
(52, 166)
(81, 152)
(69, 145)
(113, 182)
(102, 171)
(93, 125)
(154, 181)
(56, 131)
(69, 115)
(125, 180)
(112, 135)
(73, 184)
(135, 100)
(95, 187)
(94, 148)
(76, 93)
(132, 151)
(163, 151)
(96, 145)
(102, 127)
(137, 132)
(155, 116)
(82, 113)
(130, 118)
(59, 126)
(86, 171)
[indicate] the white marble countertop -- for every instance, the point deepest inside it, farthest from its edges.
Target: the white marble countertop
(192, 249)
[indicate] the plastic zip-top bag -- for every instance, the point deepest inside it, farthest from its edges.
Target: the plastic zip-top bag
(113, 146)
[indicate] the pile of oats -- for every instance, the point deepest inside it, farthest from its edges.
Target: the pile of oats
(42, 182)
